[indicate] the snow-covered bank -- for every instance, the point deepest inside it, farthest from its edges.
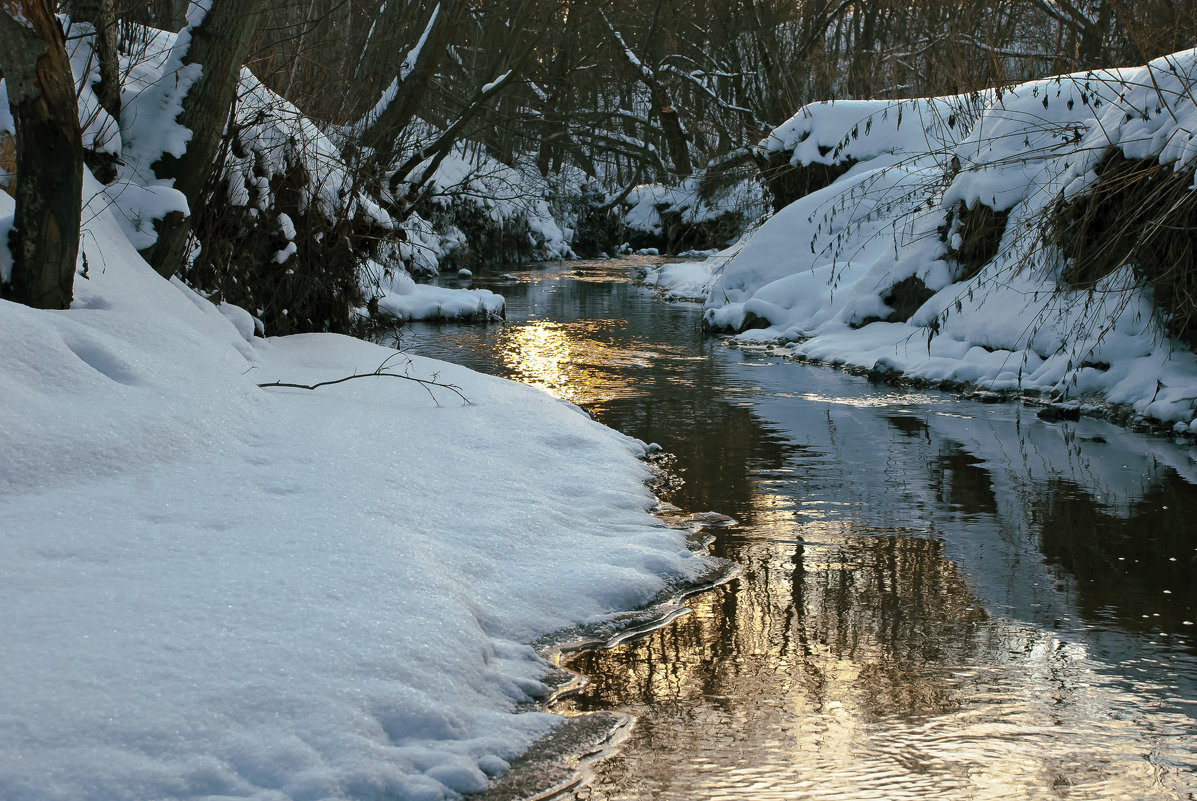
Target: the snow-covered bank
(212, 589)
(698, 213)
(687, 280)
(289, 230)
(939, 250)
(405, 300)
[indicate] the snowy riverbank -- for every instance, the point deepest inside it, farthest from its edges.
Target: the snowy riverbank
(947, 241)
(213, 589)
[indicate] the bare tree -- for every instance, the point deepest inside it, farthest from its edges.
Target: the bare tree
(218, 41)
(413, 73)
(49, 158)
(101, 16)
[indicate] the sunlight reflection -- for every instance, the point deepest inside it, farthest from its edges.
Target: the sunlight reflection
(578, 362)
(936, 600)
(899, 399)
(875, 674)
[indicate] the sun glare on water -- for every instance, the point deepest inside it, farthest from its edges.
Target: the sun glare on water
(578, 362)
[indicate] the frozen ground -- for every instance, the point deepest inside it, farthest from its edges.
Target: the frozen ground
(217, 590)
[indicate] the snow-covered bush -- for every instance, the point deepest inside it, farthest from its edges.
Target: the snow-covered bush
(293, 225)
(493, 214)
(710, 209)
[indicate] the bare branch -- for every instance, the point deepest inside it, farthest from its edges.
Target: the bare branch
(381, 372)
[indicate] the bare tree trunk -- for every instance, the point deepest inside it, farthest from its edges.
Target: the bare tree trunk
(675, 135)
(41, 93)
(99, 14)
(676, 140)
(414, 75)
(219, 44)
(440, 147)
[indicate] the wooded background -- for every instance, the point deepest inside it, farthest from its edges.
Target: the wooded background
(607, 93)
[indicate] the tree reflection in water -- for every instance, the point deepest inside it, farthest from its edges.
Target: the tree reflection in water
(939, 599)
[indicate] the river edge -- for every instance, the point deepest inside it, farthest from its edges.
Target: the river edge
(560, 762)
(1049, 408)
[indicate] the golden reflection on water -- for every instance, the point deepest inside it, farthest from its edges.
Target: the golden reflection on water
(581, 362)
(873, 673)
(852, 660)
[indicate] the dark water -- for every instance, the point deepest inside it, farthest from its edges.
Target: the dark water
(939, 598)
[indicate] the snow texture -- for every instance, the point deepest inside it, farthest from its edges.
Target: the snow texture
(407, 300)
(213, 589)
(817, 274)
(646, 205)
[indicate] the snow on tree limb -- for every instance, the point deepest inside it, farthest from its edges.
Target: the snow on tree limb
(413, 55)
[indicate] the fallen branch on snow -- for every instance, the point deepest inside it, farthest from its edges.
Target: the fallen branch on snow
(381, 372)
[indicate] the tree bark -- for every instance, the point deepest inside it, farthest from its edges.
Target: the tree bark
(219, 44)
(381, 132)
(49, 154)
(99, 14)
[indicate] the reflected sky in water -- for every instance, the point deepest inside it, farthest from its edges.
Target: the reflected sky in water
(939, 598)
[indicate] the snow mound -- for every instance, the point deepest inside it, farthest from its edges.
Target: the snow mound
(215, 589)
(401, 297)
(926, 255)
(687, 280)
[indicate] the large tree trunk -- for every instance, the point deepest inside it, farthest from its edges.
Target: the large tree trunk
(676, 138)
(219, 44)
(49, 181)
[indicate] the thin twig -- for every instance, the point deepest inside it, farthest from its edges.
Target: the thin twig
(381, 372)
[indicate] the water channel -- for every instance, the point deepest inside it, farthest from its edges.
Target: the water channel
(939, 598)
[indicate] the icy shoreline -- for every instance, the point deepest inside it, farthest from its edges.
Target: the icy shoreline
(691, 282)
(561, 760)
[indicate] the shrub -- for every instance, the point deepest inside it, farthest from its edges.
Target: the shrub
(1138, 213)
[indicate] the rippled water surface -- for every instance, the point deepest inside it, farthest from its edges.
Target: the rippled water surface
(939, 598)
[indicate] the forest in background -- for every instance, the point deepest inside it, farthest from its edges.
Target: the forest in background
(454, 133)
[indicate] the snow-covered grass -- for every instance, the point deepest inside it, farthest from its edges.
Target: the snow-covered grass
(828, 273)
(214, 589)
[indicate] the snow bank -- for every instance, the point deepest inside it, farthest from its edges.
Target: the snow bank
(832, 133)
(476, 186)
(675, 215)
(687, 280)
(404, 299)
(875, 270)
(287, 191)
(211, 589)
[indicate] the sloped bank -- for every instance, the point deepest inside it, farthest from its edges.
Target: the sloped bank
(1034, 241)
(271, 593)
(293, 225)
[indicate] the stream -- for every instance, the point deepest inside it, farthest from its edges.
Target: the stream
(939, 598)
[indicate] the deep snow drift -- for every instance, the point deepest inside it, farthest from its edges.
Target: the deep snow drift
(212, 589)
(828, 271)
